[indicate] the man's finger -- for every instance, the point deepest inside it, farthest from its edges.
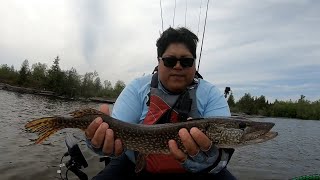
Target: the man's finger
(99, 135)
(93, 126)
(118, 147)
(201, 139)
(108, 144)
(188, 142)
(176, 152)
(105, 109)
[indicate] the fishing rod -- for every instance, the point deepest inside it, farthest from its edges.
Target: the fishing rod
(204, 26)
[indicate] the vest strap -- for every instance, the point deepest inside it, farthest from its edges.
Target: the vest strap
(182, 105)
(167, 108)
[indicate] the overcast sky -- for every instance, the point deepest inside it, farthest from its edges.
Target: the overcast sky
(265, 47)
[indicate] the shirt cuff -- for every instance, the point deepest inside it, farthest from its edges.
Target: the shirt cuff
(223, 160)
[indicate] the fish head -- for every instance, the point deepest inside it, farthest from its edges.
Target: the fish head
(256, 132)
(234, 133)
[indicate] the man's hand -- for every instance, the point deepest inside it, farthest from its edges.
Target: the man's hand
(201, 153)
(102, 137)
(193, 142)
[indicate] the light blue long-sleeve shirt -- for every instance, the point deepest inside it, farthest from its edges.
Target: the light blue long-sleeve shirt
(131, 104)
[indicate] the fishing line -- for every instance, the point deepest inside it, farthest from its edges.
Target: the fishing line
(174, 12)
(185, 15)
(161, 15)
(204, 30)
(199, 18)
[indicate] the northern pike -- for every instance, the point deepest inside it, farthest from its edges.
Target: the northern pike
(224, 132)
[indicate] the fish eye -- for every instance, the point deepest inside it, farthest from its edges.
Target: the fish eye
(242, 125)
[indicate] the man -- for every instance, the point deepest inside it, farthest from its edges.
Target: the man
(174, 93)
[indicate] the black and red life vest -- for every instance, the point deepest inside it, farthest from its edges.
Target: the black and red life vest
(168, 108)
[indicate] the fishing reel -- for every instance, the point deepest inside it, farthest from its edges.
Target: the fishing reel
(76, 161)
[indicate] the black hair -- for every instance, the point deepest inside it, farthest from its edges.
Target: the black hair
(179, 35)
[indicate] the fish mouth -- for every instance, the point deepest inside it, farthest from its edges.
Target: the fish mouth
(261, 138)
(258, 132)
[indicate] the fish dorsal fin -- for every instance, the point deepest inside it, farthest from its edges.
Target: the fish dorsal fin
(83, 112)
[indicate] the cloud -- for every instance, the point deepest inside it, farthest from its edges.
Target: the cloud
(265, 47)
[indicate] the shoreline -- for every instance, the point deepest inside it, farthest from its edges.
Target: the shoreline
(24, 90)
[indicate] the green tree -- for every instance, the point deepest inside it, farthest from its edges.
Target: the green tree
(55, 77)
(246, 104)
(72, 83)
(118, 87)
(261, 105)
(87, 85)
(107, 89)
(97, 84)
(107, 85)
(39, 75)
(65, 83)
(231, 100)
(8, 74)
(303, 107)
(24, 73)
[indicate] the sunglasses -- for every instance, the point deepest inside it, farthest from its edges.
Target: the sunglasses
(172, 61)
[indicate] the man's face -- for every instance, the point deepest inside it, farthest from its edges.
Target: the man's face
(176, 78)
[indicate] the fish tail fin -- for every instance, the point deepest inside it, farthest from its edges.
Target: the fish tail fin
(44, 127)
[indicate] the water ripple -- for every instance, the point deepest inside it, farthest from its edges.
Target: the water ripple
(296, 151)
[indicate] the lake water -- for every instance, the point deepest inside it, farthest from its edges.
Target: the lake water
(295, 152)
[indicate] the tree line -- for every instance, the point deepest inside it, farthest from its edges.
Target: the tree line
(71, 84)
(251, 105)
(68, 83)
